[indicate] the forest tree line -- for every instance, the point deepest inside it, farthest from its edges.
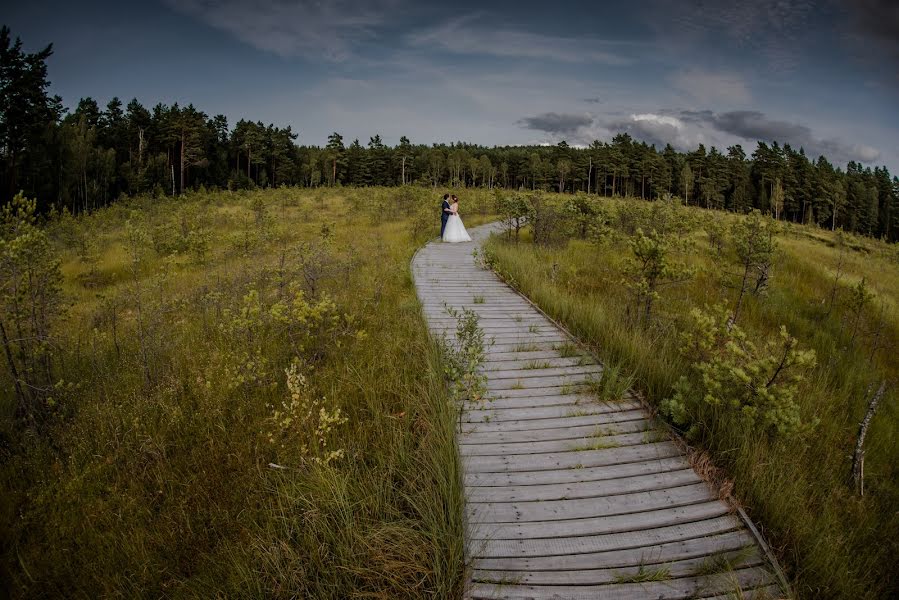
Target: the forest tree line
(86, 158)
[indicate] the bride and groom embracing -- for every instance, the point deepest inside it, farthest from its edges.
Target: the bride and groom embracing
(451, 228)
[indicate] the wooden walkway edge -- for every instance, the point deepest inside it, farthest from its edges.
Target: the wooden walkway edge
(568, 497)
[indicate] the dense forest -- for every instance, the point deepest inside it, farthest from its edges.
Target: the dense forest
(88, 157)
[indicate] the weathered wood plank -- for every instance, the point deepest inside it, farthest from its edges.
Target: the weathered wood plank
(642, 465)
(688, 587)
(599, 543)
(578, 432)
(743, 556)
(545, 372)
(544, 447)
(584, 508)
(604, 525)
(591, 488)
(501, 428)
(706, 546)
(537, 407)
(559, 461)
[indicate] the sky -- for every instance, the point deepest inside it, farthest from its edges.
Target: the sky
(821, 75)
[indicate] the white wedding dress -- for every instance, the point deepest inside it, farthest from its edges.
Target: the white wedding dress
(455, 230)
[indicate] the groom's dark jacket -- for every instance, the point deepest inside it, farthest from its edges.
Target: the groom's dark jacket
(444, 215)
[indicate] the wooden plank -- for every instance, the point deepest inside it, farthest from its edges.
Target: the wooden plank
(744, 556)
(553, 362)
(492, 356)
(682, 588)
(549, 406)
(559, 461)
(573, 388)
(525, 383)
(503, 427)
(699, 547)
(583, 508)
(574, 432)
(557, 446)
(544, 372)
(531, 531)
(641, 466)
(588, 488)
(601, 543)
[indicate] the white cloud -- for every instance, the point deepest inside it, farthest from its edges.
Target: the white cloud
(294, 28)
(712, 88)
(465, 36)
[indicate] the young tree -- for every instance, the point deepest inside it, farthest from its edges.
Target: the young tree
(30, 306)
(754, 238)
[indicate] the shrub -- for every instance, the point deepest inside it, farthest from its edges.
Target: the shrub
(755, 384)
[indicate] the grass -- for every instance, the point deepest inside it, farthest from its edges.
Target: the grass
(567, 350)
(159, 485)
(536, 364)
(834, 544)
(478, 300)
(599, 441)
(723, 562)
(526, 348)
(645, 574)
(612, 384)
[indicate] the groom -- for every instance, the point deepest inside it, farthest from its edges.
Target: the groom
(446, 210)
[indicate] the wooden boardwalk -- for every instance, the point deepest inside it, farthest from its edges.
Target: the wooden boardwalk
(568, 497)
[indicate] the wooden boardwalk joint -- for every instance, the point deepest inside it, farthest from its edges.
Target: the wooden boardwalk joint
(568, 497)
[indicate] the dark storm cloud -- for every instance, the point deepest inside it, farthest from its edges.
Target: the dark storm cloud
(750, 124)
(556, 122)
(594, 100)
(755, 125)
(879, 18)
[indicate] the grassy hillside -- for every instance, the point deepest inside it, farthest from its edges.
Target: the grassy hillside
(780, 421)
(243, 402)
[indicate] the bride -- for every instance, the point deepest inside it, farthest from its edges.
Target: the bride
(455, 230)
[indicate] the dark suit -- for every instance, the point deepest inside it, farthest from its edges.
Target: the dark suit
(444, 216)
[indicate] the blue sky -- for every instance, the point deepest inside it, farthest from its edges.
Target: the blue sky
(822, 75)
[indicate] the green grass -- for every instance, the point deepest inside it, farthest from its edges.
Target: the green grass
(833, 543)
(160, 486)
(723, 562)
(645, 574)
(478, 300)
(612, 384)
(536, 364)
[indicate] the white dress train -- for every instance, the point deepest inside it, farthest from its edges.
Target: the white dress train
(455, 230)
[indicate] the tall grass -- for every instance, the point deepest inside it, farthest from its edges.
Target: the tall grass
(834, 543)
(165, 469)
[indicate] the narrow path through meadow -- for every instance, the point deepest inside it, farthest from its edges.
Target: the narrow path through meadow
(569, 497)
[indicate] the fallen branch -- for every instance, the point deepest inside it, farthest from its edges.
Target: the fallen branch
(858, 457)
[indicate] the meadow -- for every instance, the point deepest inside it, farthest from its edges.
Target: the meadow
(230, 395)
(771, 387)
